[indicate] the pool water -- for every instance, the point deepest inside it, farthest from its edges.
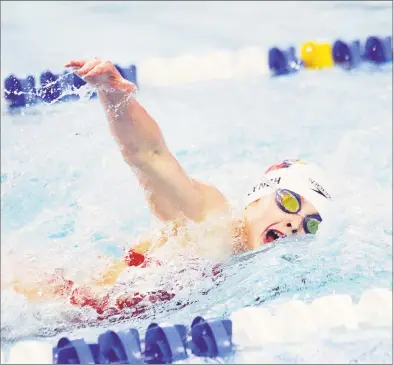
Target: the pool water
(67, 196)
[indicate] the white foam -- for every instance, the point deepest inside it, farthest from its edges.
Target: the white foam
(215, 65)
(376, 307)
(334, 311)
(295, 321)
(30, 352)
(251, 326)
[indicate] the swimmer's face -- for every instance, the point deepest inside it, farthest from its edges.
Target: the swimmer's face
(265, 221)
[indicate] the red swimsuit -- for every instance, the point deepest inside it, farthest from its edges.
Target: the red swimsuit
(84, 296)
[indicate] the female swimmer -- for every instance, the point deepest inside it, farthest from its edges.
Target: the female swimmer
(292, 199)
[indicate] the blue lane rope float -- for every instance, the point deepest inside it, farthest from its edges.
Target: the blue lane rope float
(347, 55)
(122, 347)
(318, 55)
(162, 345)
(211, 338)
(53, 88)
(218, 339)
(165, 345)
(379, 50)
(283, 62)
(75, 352)
(20, 93)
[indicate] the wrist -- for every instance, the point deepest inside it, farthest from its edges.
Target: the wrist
(118, 89)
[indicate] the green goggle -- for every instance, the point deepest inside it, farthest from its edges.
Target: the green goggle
(290, 202)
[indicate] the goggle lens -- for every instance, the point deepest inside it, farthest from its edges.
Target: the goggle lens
(289, 201)
(311, 225)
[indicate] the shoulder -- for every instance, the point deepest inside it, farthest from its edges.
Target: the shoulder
(213, 198)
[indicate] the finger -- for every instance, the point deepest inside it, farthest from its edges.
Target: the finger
(88, 66)
(98, 69)
(75, 63)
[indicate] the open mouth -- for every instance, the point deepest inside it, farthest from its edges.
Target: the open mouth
(271, 235)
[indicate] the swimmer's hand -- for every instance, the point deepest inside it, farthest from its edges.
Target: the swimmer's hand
(102, 75)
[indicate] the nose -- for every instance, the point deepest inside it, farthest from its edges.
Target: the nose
(294, 225)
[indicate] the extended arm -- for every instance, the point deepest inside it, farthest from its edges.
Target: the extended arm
(172, 194)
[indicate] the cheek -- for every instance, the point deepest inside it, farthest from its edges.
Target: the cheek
(257, 219)
(250, 235)
(251, 230)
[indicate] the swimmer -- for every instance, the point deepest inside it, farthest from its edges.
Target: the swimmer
(292, 199)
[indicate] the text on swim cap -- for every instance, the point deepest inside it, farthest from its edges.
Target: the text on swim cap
(319, 189)
(263, 185)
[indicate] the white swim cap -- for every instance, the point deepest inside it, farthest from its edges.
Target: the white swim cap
(295, 175)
